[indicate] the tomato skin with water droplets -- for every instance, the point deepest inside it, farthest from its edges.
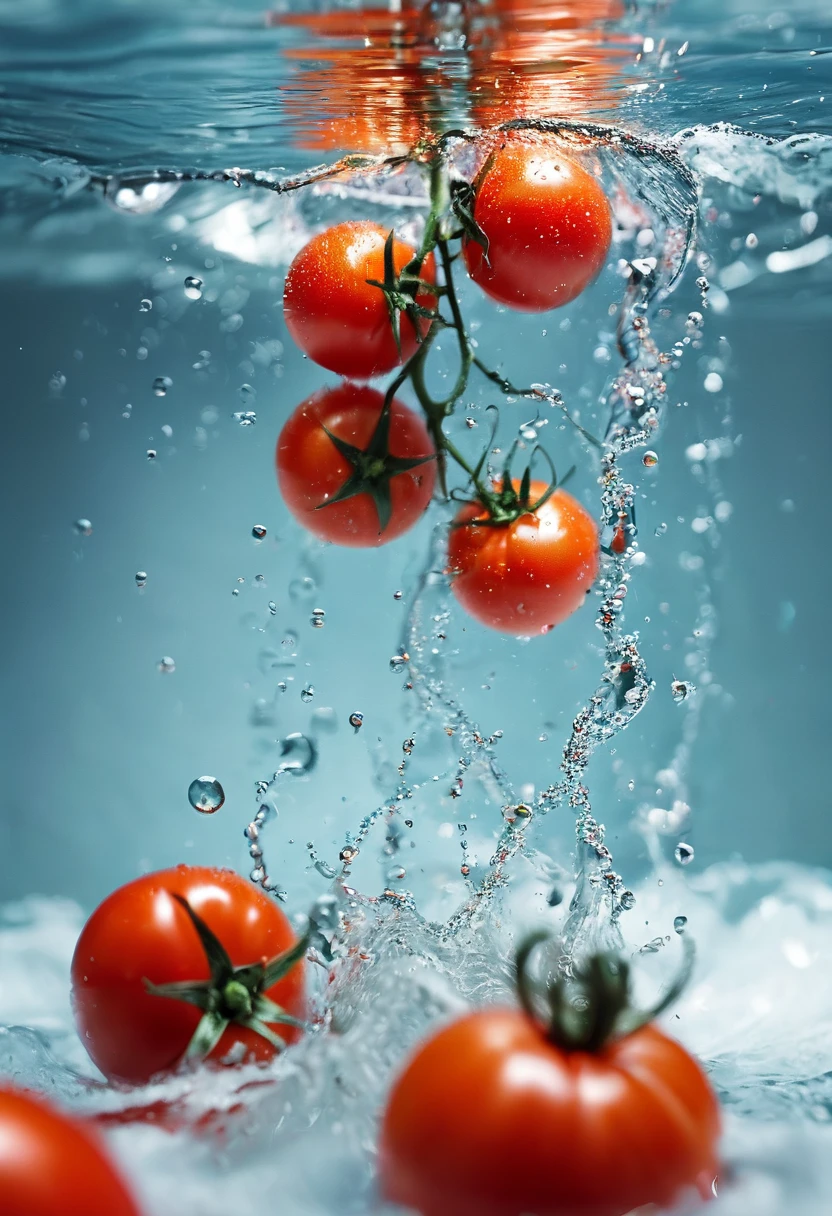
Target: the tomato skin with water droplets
(548, 224)
(139, 932)
(527, 576)
(51, 1165)
(311, 470)
(489, 1118)
(335, 315)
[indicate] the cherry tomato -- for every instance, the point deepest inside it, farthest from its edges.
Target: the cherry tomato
(51, 1165)
(527, 576)
(548, 226)
(143, 932)
(490, 1118)
(337, 442)
(335, 315)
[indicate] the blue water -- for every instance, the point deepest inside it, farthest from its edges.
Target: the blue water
(99, 746)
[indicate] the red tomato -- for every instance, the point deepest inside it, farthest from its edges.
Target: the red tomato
(390, 478)
(51, 1165)
(334, 314)
(529, 575)
(140, 933)
(548, 225)
(491, 1119)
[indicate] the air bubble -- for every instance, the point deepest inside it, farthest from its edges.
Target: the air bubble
(299, 755)
(307, 693)
(649, 460)
(151, 453)
(679, 923)
(206, 795)
(145, 305)
(193, 287)
(399, 662)
(258, 531)
(627, 900)
(681, 689)
(356, 721)
(166, 665)
(245, 417)
(83, 527)
(141, 578)
(161, 385)
(397, 595)
(683, 853)
(395, 873)
(318, 618)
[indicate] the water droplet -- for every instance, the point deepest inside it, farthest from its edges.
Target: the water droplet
(299, 755)
(206, 795)
(167, 665)
(193, 287)
(83, 527)
(397, 595)
(145, 305)
(258, 531)
(660, 531)
(399, 662)
(141, 578)
(307, 693)
(348, 854)
(151, 453)
(395, 873)
(356, 721)
(272, 607)
(680, 690)
(679, 923)
(703, 284)
(470, 423)
(649, 460)
(318, 618)
(245, 417)
(161, 385)
(627, 900)
(683, 853)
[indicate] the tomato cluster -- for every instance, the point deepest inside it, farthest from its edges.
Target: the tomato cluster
(359, 467)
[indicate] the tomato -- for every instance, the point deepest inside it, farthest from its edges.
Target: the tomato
(490, 1118)
(341, 442)
(548, 226)
(144, 932)
(527, 576)
(50, 1164)
(335, 315)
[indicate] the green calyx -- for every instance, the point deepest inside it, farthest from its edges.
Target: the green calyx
(593, 1007)
(373, 467)
(504, 503)
(232, 994)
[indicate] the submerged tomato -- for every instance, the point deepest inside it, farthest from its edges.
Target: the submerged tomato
(526, 576)
(335, 315)
(548, 226)
(333, 441)
(490, 1118)
(143, 933)
(52, 1166)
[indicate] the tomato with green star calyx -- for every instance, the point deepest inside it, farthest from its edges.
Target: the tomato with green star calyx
(183, 965)
(546, 222)
(50, 1164)
(352, 471)
(553, 1109)
(336, 309)
(527, 575)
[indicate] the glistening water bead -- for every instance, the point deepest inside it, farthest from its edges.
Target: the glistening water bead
(193, 287)
(258, 531)
(206, 795)
(649, 460)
